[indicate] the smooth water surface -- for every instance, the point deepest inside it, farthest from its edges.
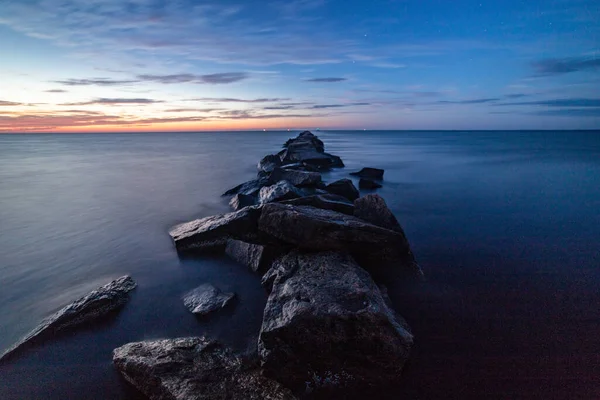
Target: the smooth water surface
(506, 226)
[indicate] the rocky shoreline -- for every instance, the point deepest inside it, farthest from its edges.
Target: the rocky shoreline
(328, 330)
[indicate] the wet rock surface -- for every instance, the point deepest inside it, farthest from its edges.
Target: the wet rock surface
(255, 256)
(324, 201)
(327, 326)
(206, 299)
(241, 200)
(97, 304)
(193, 368)
(344, 188)
(282, 190)
(369, 173)
(368, 184)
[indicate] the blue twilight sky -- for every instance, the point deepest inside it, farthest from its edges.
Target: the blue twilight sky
(106, 65)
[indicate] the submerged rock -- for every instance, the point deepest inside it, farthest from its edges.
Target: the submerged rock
(369, 173)
(255, 256)
(345, 188)
(296, 178)
(326, 326)
(206, 298)
(95, 305)
(326, 202)
(368, 184)
(282, 190)
(210, 234)
(240, 201)
(193, 369)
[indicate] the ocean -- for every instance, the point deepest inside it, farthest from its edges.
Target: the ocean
(505, 225)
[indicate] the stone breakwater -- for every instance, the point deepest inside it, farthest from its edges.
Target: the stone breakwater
(328, 330)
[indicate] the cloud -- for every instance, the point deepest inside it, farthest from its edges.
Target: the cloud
(569, 112)
(205, 110)
(320, 106)
(118, 101)
(9, 103)
(515, 95)
(278, 108)
(236, 100)
(55, 91)
(95, 81)
(212, 79)
(326, 80)
(472, 101)
(575, 102)
(559, 66)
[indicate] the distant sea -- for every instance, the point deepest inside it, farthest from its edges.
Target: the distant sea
(506, 226)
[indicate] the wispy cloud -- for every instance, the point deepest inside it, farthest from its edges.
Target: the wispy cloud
(9, 103)
(212, 79)
(319, 106)
(326, 80)
(560, 66)
(56, 91)
(575, 102)
(95, 81)
(200, 110)
(236, 100)
(471, 101)
(117, 101)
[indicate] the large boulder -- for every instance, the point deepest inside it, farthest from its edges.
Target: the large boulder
(97, 304)
(308, 149)
(327, 327)
(257, 257)
(241, 200)
(210, 234)
(369, 173)
(324, 201)
(282, 190)
(206, 299)
(250, 188)
(296, 178)
(311, 228)
(193, 369)
(345, 188)
(269, 163)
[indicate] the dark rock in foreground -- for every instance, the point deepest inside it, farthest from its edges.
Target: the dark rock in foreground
(210, 234)
(282, 190)
(193, 369)
(368, 184)
(95, 305)
(369, 173)
(327, 327)
(255, 256)
(326, 202)
(345, 188)
(206, 298)
(240, 201)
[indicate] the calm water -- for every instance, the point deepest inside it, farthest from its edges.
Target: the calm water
(506, 226)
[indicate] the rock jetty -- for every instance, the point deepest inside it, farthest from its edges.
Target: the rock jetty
(328, 330)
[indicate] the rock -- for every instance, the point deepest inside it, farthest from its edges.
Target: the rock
(240, 201)
(327, 327)
(296, 178)
(255, 256)
(301, 167)
(373, 209)
(307, 149)
(369, 173)
(97, 304)
(210, 234)
(343, 187)
(269, 163)
(368, 184)
(324, 201)
(249, 188)
(282, 190)
(193, 369)
(313, 229)
(206, 298)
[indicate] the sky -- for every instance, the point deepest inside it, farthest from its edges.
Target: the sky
(181, 65)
